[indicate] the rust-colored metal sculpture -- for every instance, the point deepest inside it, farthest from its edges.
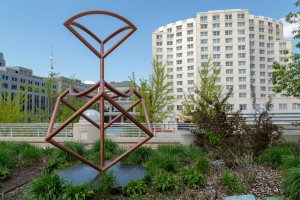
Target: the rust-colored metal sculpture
(101, 96)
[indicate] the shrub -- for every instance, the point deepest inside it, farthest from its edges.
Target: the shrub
(274, 156)
(165, 181)
(167, 157)
(110, 146)
(203, 165)
(79, 192)
(4, 173)
(55, 164)
(30, 153)
(231, 183)
(103, 186)
(192, 178)
(135, 188)
(48, 187)
(291, 183)
(290, 161)
(138, 156)
(74, 146)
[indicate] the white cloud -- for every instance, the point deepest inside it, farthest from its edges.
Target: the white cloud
(89, 82)
(288, 28)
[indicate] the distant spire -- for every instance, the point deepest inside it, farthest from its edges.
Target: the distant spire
(51, 60)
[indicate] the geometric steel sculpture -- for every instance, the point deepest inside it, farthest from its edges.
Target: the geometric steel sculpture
(101, 96)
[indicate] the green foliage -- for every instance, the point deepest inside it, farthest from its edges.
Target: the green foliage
(30, 154)
(15, 154)
(165, 181)
(11, 108)
(167, 157)
(290, 161)
(4, 173)
(48, 187)
(135, 188)
(64, 112)
(262, 132)
(274, 156)
(55, 164)
(231, 183)
(285, 77)
(74, 146)
(111, 150)
(155, 93)
(207, 87)
(291, 183)
(79, 192)
(139, 156)
(203, 165)
(192, 178)
(103, 186)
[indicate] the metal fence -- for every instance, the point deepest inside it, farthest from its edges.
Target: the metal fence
(31, 130)
(285, 120)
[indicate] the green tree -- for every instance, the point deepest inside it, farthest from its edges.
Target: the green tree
(11, 107)
(155, 93)
(286, 77)
(207, 88)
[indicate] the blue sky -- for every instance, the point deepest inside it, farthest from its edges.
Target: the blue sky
(29, 28)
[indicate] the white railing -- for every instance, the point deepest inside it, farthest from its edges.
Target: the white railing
(31, 130)
(131, 130)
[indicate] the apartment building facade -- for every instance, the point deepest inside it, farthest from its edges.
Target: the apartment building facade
(244, 46)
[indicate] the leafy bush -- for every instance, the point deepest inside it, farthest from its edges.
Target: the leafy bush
(138, 156)
(192, 178)
(165, 181)
(231, 183)
(291, 183)
(103, 186)
(262, 132)
(4, 173)
(55, 164)
(135, 188)
(48, 187)
(74, 146)
(79, 192)
(274, 156)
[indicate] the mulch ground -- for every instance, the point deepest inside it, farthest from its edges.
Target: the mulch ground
(19, 178)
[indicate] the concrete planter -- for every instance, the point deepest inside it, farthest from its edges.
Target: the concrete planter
(187, 138)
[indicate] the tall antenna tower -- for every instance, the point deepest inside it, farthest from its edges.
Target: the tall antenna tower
(51, 60)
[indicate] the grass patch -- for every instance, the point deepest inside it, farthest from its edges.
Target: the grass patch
(291, 183)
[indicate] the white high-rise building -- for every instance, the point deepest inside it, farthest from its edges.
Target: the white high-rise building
(243, 45)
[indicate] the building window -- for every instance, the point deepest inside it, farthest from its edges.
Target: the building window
(190, 75)
(190, 67)
(242, 95)
(228, 16)
(228, 24)
(229, 79)
(203, 26)
(179, 107)
(296, 106)
(242, 87)
(229, 63)
(203, 33)
(216, 25)
(189, 25)
(282, 106)
(229, 71)
(228, 32)
(228, 40)
(243, 106)
(242, 71)
(242, 79)
(190, 82)
(216, 17)
(203, 18)
(241, 16)
(216, 33)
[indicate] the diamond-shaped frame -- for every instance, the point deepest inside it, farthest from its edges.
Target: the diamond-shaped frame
(101, 96)
(79, 112)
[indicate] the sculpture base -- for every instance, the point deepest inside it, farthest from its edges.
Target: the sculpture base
(84, 174)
